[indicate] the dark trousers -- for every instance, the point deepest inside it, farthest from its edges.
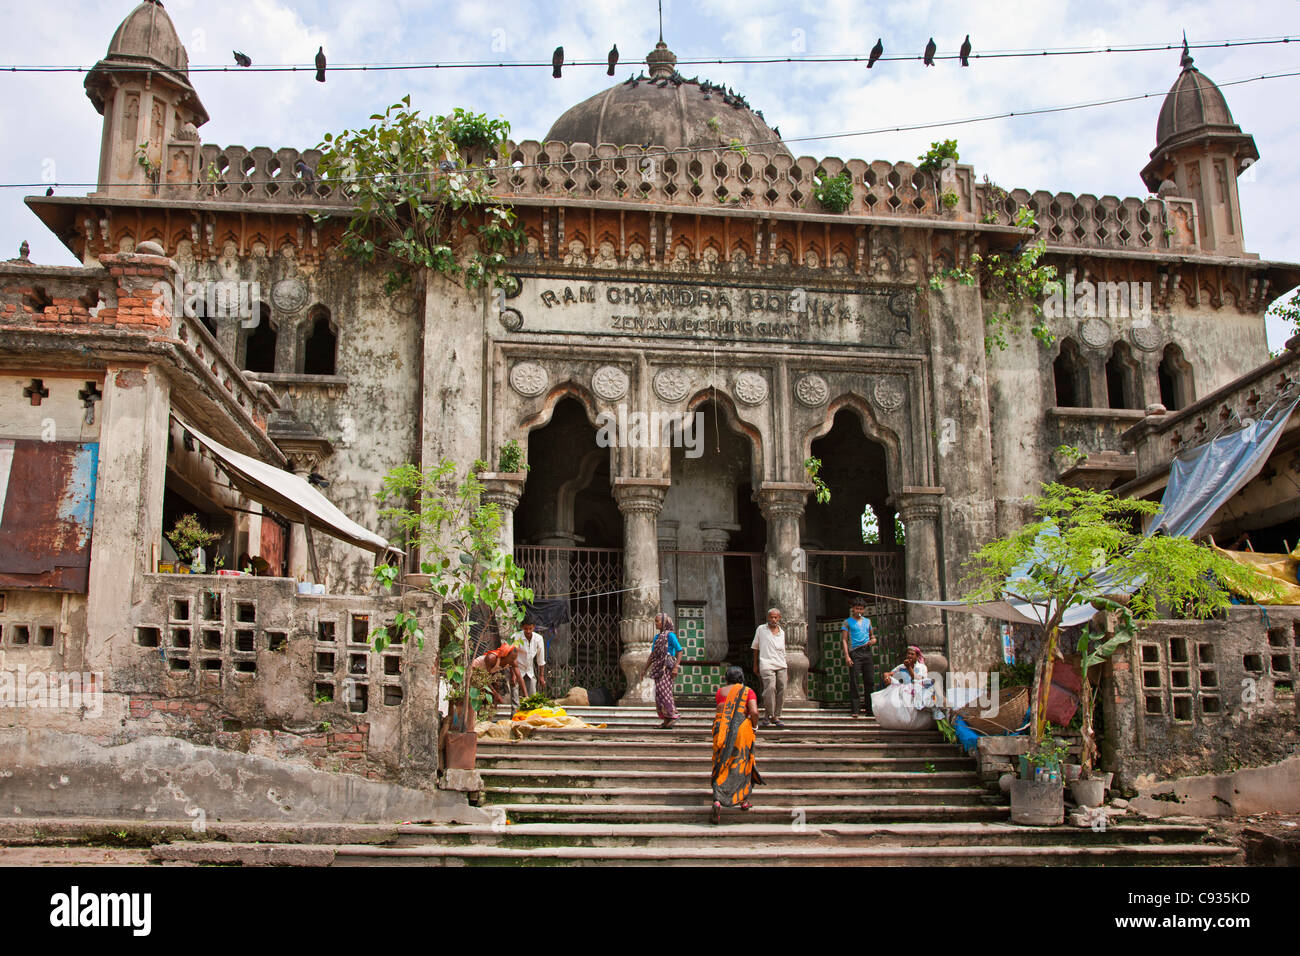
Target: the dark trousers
(861, 658)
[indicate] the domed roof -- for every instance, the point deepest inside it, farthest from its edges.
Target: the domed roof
(147, 33)
(666, 109)
(146, 40)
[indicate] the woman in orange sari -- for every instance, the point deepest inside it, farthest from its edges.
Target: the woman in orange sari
(734, 723)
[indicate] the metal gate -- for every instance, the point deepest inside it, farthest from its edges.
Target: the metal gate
(575, 586)
(878, 573)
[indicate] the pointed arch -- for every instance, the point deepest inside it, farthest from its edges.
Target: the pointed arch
(886, 437)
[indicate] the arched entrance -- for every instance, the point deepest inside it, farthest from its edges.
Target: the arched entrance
(854, 544)
(568, 538)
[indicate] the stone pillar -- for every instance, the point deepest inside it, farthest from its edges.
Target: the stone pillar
(714, 579)
(127, 524)
(918, 509)
(302, 464)
(668, 563)
(782, 505)
(504, 489)
(640, 500)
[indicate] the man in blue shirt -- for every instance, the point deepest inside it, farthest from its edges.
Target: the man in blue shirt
(856, 637)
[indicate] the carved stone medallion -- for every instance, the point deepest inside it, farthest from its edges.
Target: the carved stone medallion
(1145, 337)
(1095, 333)
(609, 383)
(289, 295)
(812, 390)
(672, 384)
(888, 394)
(751, 388)
(528, 379)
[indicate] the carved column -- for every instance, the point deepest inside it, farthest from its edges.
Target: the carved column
(504, 489)
(302, 463)
(918, 509)
(782, 505)
(713, 580)
(640, 500)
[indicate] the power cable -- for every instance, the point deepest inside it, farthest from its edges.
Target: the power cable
(735, 147)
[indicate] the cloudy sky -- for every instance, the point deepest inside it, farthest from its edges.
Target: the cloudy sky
(50, 128)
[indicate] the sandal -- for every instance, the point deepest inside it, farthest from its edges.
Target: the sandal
(716, 817)
(746, 805)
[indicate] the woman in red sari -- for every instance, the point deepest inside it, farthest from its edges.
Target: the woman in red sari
(734, 725)
(662, 667)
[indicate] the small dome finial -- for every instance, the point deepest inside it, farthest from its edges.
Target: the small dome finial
(661, 60)
(1186, 61)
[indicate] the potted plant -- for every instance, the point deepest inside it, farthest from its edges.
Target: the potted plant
(1094, 649)
(1038, 798)
(186, 537)
(459, 535)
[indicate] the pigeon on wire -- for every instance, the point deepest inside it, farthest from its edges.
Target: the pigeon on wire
(320, 65)
(965, 51)
(930, 49)
(876, 52)
(557, 61)
(50, 191)
(242, 59)
(613, 60)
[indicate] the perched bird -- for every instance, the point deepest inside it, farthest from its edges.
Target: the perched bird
(50, 191)
(320, 65)
(929, 52)
(877, 52)
(613, 60)
(557, 61)
(305, 173)
(242, 59)
(965, 51)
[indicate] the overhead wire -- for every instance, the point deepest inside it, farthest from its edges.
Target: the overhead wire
(734, 147)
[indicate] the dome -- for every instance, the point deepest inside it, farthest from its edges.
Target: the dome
(145, 41)
(1192, 105)
(666, 109)
(147, 33)
(1195, 112)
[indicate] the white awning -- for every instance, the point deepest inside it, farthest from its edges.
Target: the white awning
(288, 495)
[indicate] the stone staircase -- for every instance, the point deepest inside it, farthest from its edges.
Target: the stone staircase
(838, 791)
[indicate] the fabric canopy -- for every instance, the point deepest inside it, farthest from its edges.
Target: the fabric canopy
(1206, 477)
(289, 495)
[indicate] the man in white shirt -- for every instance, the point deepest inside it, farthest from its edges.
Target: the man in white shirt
(530, 658)
(769, 663)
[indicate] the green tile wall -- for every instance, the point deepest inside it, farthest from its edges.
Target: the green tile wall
(831, 684)
(690, 631)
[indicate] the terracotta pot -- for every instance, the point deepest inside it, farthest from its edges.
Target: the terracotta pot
(460, 751)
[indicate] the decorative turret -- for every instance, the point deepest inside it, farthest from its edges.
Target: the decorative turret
(142, 89)
(1199, 154)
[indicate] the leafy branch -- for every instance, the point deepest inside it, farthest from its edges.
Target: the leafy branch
(417, 194)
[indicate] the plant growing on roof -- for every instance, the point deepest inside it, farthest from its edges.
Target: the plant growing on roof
(1014, 279)
(1080, 547)
(835, 193)
(188, 535)
(459, 535)
(820, 491)
(416, 195)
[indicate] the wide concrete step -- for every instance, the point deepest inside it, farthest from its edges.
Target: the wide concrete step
(547, 762)
(656, 778)
(829, 796)
(681, 734)
(815, 853)
(847, 811)
(664, 835)
(563, 745)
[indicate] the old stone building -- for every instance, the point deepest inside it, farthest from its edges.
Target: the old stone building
(666, 279)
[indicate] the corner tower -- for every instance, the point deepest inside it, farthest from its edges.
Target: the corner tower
(1199, 154)
(142, 89)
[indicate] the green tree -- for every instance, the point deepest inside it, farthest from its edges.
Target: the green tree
(459, 536)
(1288, 311)
(419, 187)
(1083, 544)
